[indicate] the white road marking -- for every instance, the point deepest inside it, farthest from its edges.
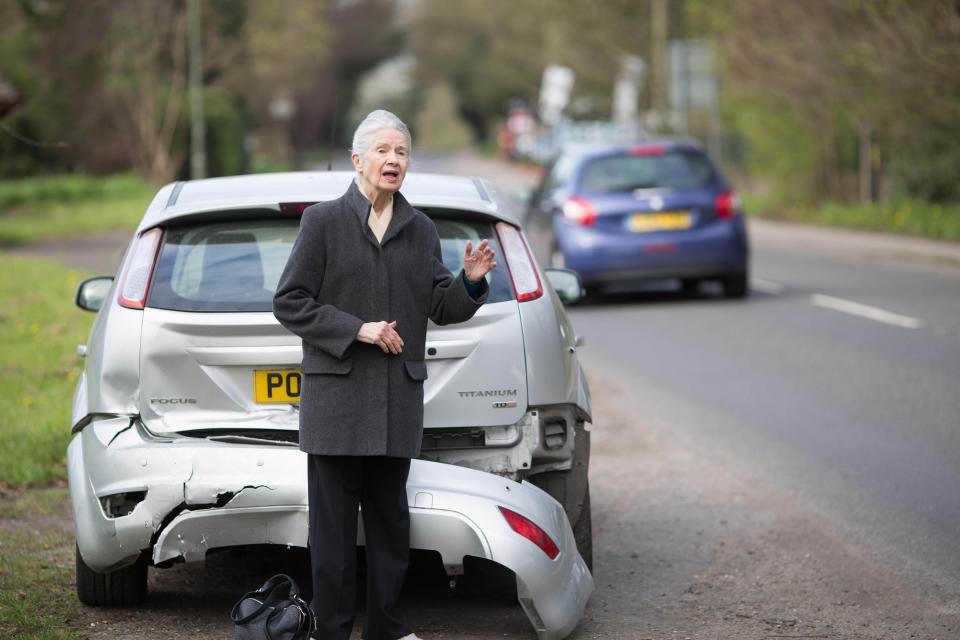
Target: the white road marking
(865, 311)
(766, 286)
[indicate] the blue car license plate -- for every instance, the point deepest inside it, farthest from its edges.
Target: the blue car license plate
(661, 221)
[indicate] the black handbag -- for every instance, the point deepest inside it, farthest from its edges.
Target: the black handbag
(275, 611)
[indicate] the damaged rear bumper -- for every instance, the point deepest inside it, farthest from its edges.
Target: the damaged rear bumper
(132, 494)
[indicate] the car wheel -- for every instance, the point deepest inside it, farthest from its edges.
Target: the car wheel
(736, 286)
(123, 586)
(583, 530)
(689, 286)
(556, 257)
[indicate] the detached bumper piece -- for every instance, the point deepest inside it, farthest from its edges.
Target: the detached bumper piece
(135, 498)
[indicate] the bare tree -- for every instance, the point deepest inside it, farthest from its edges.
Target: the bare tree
(842, 67)
(147, 80)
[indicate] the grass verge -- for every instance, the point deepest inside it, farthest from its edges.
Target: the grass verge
(907, 217)
(37, 599)
(36, 208)
(40, 329)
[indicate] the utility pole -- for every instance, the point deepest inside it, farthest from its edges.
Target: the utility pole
(658, 68)
(198, 127)
(866, 161)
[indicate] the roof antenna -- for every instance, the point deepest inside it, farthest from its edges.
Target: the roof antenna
(333, 131)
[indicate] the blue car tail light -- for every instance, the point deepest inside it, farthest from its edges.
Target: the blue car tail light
(579, 211)
(727, 205)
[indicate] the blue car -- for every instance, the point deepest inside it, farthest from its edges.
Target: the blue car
(621, 215)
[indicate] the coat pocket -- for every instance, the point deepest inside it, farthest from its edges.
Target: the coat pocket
(416, 369)
(316, 361)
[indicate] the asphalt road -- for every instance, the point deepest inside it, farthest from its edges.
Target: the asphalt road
(835, 384)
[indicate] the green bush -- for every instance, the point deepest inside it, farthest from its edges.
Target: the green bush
(67, 189)
(907, 217)
(35, 208)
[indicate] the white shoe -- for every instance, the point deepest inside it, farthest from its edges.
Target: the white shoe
(411, 636)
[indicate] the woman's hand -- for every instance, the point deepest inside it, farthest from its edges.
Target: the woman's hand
(477, 263)
(382, 334)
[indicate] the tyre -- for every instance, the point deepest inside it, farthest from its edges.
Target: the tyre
(583, 530)
(124, 586)
(571, 489)
(736, 285)
(689, 287)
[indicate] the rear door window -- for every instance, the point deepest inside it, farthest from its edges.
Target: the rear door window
(229, 267)
(677, 169)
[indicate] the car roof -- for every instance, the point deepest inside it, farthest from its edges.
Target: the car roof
(268, 190)
(585, 150)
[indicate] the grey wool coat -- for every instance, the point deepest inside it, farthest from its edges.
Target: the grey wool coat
(355, 399)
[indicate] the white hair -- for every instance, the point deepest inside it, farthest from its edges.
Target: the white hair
(374, 122)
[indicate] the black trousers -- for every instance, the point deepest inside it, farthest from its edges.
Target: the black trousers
(337, 485)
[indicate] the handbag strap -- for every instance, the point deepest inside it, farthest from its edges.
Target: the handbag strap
(280, 580)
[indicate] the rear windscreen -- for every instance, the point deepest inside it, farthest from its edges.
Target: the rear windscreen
(677, 169)
(236, 266)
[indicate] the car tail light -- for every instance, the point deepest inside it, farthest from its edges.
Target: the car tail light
(648, 150)
(531, 532)
(579, 211)
(135, 283)
(523, 273)
(727, 205)
(295, 207)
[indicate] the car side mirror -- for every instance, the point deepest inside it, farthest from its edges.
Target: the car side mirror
(566, 283)
(92, 292)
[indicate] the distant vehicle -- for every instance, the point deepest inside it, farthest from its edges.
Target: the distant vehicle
(186, 415)
(619, 215)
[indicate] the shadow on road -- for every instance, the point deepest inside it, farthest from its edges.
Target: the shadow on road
(707, 293)
(194, 600)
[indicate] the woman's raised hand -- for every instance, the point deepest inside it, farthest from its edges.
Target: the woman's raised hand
(477, 263)
(383, 334)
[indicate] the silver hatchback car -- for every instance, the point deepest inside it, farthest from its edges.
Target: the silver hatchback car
(186, 416)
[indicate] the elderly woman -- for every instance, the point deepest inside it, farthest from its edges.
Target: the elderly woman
(363, 277)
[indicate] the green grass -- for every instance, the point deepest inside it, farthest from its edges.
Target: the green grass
(36, 572)
(36, 208)
(40, 329)
(21, 504)
(905, 217)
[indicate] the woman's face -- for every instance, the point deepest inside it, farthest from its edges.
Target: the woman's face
(383, 165)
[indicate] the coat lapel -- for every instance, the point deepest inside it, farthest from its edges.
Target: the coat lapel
(358, 203)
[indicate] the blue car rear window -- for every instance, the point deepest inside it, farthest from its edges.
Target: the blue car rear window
(676, 169)
(235, 266)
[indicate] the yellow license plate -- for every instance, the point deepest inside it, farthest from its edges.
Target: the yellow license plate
(667, 220)
(276, 385)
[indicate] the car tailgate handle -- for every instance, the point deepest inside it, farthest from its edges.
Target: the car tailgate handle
(450, 349)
